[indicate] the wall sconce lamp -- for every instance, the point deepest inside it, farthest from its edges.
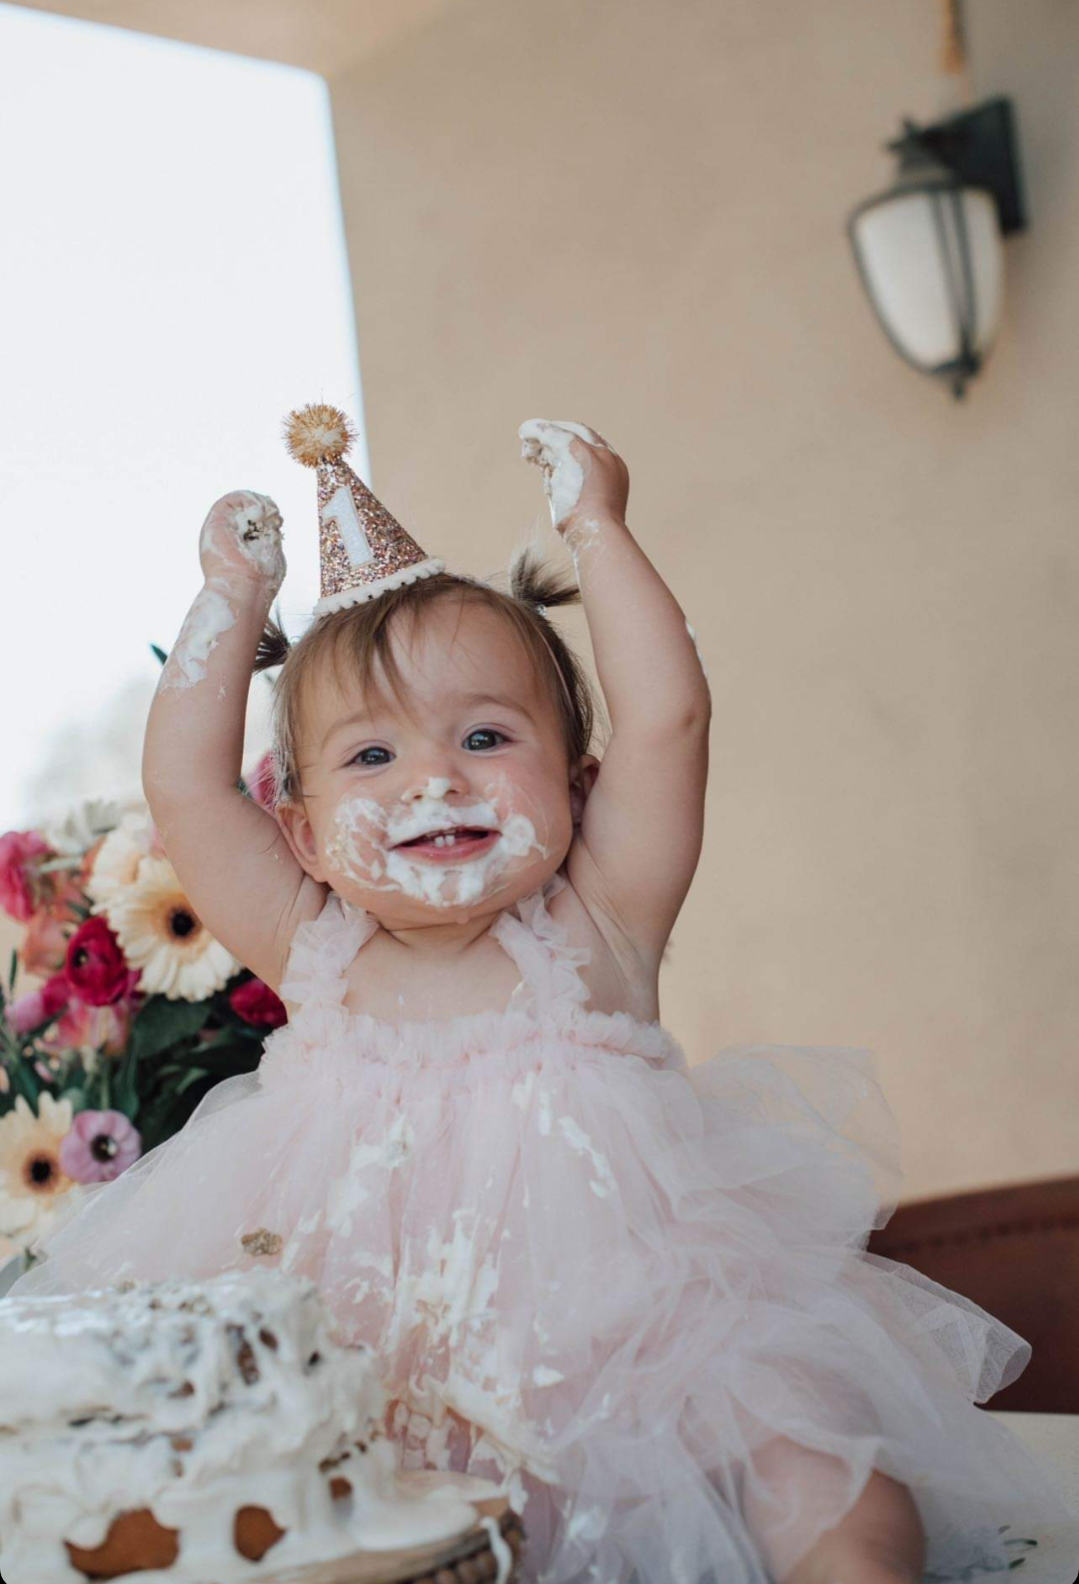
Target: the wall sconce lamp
(929, 251)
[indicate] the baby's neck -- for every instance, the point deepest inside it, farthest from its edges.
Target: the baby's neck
(443, 939)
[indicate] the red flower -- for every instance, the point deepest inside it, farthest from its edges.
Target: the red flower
(20, 854)
(256, 1003)
(96, 968)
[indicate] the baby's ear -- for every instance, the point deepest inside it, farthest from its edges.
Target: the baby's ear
(581, 781)
(296, 829)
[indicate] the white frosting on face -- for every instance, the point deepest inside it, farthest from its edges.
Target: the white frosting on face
(210, 616)
(194, 1400)
(364, 846)
(546, 442)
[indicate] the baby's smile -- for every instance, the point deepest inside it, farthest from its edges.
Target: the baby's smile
(455, 845)
(444, 854)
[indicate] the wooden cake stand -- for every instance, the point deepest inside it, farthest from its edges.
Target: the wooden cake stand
(466, 1559)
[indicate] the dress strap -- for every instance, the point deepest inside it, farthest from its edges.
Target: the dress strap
(322, 949)
(549, 965)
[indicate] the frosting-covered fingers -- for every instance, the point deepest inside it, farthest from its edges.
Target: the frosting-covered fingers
(242, 536)
(549, 444)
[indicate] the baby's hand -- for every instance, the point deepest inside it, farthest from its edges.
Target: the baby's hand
(582, 476)
(241, 541)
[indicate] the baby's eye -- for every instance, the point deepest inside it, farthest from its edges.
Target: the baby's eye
(485, 731)
(360, 758)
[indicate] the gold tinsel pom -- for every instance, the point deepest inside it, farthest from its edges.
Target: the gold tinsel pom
(318, 433)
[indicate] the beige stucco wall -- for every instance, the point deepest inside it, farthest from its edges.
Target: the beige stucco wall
(632, 214)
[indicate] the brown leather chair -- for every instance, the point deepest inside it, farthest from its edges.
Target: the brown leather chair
(1014, 1251)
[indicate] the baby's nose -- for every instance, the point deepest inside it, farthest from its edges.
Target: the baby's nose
(431, 787)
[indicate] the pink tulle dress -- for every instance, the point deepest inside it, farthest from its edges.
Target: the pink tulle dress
(594, 1274)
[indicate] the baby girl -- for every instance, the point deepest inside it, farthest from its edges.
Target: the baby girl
(634, 1292)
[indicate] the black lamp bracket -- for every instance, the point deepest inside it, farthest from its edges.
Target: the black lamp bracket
(979, 147)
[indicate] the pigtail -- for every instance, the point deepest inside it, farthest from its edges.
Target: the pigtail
(538, 585)
(274, 645)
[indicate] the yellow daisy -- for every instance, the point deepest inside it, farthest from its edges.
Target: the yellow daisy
(161, 934)
(32, 1184)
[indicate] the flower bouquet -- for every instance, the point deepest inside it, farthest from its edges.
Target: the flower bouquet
(140, 1013)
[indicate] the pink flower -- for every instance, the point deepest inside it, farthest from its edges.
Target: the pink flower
(101, 1028)
(99, 1146)
(261, 782)
(35, 1006)
(257, 1004)
(44, 945)
(96, 967)
(21, 852)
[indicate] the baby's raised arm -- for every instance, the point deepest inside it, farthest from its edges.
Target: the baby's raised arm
(229, 854)
(643, 822)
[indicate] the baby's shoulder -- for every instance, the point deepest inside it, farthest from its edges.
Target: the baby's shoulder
(310, 906)
(618, 977)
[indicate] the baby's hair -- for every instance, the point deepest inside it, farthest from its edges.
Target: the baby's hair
(363, 632)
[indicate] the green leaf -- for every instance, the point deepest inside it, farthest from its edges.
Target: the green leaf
(161, 1024)
(160, 653)
(25, 1080)
(77, 1098)
(12, 971)
(189, 1078)
(125, 1096)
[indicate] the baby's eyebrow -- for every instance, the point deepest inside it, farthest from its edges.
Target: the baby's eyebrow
(473, 700)
(346, 720)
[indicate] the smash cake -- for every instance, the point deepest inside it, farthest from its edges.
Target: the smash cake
(202, 1432)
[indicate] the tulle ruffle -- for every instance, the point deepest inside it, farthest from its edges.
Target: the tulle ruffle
(607, 1287)
(601, 1277)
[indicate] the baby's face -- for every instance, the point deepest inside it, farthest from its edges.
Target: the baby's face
(454, 802)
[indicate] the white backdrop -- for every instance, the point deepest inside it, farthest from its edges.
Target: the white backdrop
(173, 280)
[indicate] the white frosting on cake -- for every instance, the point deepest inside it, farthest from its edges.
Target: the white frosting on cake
(195, 1399)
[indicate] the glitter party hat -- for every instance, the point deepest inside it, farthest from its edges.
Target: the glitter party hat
(362, 549)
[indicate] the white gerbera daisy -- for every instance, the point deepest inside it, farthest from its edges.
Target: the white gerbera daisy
(33, 1186)
(161, 934)
(118, 858)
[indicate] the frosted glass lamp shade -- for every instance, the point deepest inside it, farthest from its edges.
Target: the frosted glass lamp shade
(933, 265)
(929, 250)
